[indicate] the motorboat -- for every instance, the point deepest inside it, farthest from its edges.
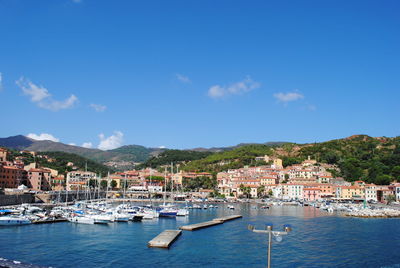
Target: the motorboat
(182, 212)
(14, 220)
(168, 212)
(81, 219)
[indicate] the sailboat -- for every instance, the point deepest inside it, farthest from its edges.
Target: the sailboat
(167, 210)
(182, 211)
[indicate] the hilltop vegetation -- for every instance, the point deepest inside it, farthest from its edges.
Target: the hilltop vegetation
(235, 158)
(375, 160)
(60, 161)
(173, 156)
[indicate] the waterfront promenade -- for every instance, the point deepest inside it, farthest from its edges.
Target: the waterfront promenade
(319, 239)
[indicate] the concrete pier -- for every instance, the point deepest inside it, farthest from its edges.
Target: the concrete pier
(216, 221)
(228, 218)
(165, 239)
(200, 225)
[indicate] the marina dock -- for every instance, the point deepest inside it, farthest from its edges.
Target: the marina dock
(165, 239)
(228, 218)
(196, 226)
(49, 221)
(216, 221)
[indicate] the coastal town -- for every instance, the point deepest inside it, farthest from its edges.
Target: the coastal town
(308, 181)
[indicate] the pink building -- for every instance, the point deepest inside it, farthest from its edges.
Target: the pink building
(39, 179)
(312, 194)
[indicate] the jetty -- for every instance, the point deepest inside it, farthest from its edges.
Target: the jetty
(165, 239)
(228, 218)
(200, 225)
(216, 221)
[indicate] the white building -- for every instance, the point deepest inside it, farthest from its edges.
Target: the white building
(295, 191)
(371, 192)
(79, 179)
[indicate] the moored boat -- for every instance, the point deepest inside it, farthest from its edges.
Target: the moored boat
(14, 220)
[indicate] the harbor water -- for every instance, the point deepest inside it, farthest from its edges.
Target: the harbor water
(318, 239)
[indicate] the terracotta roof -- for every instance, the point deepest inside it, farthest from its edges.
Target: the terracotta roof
(39, 170)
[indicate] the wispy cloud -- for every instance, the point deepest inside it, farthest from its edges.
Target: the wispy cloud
(1, 81)
(98, 107)
(311, 107)
(111, 142)
(71, 143)
(182, 78)
(238, 88)
(285, 98)
(87, 145)
(42, 97)
(43, 137)
(77, 1)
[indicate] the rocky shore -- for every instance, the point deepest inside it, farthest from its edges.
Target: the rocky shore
(374, 213)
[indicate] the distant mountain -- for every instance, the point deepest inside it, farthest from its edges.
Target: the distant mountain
(18, 142)
(130, 153)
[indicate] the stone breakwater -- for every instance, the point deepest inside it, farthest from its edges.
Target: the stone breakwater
(375, 213)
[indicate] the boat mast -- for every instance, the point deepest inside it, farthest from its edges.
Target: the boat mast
(165, 183)
(108, 180)
(172, 181)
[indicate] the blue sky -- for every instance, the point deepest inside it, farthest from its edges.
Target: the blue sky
(186, 74)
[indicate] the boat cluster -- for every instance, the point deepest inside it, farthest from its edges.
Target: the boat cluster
(88, 213)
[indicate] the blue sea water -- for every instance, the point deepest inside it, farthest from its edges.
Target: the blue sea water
(318, 239)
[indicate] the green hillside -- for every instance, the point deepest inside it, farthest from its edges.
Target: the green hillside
(175, 156)
(375, 160)
(61, 160)
(235, 158)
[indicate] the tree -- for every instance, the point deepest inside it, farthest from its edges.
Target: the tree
(383, 179)
(93, 183)
(270, 193)
(396, 172)
(286, 178)
(113, 184)
(103, 184)
(260, 191)
(391, 198)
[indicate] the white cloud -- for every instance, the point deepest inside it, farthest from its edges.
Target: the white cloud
(43, 137)
(36, 93)
(216, 92)
(73, 144)
(238, 88)
(182, 78)
(54, 105)
(98, 107)
(161, 147)
(42, 97)
(87, 145)
(112, 142)
(1, 81)
(288, 97)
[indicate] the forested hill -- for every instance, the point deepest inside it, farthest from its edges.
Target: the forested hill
(375, 160)
(59, 161)
(175, 156)
(236, 158)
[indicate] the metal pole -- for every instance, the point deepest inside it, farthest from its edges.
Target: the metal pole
(269, 248)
